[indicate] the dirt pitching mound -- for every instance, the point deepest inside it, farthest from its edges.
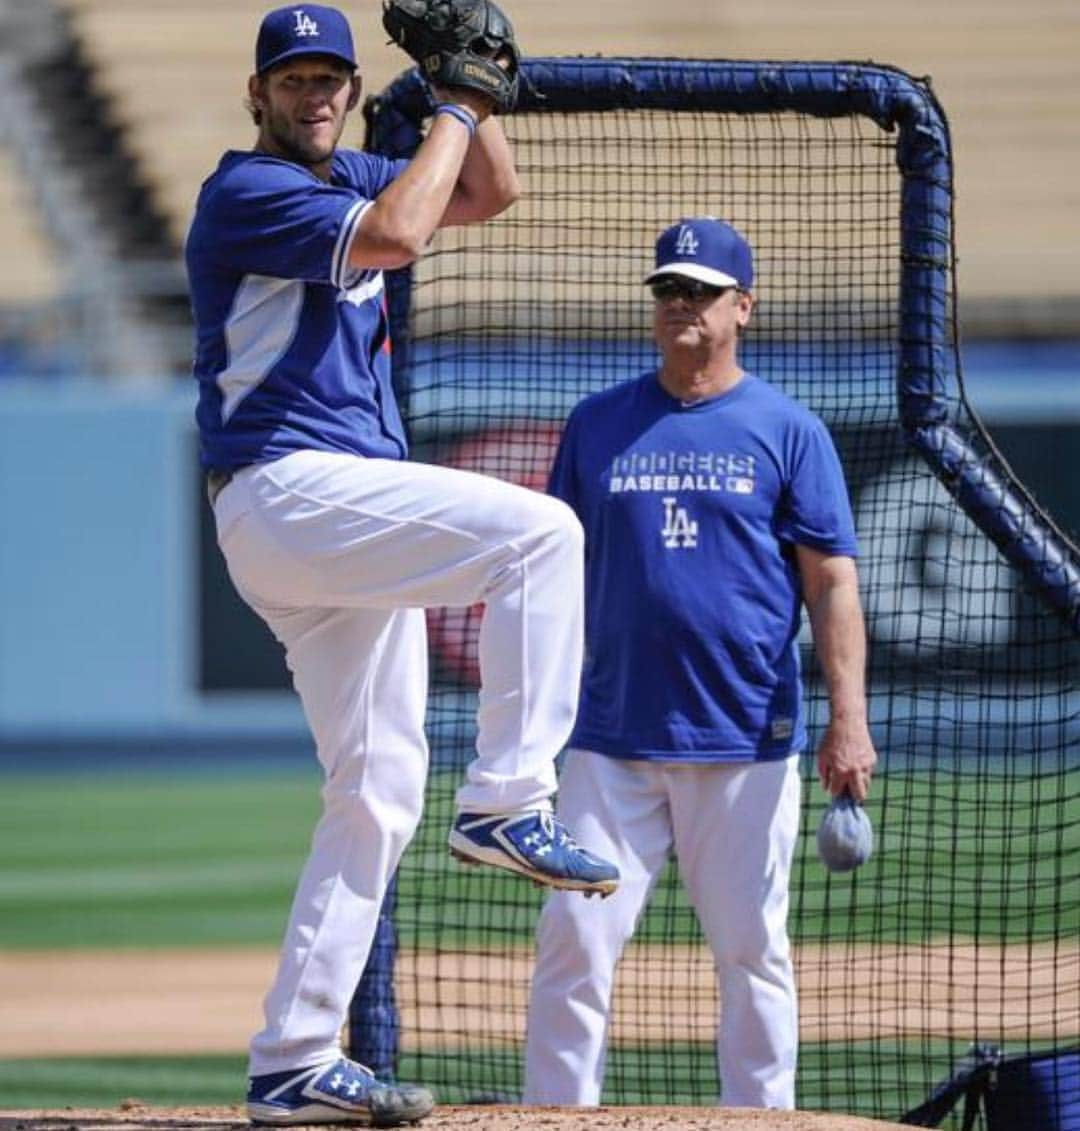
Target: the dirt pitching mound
(133, 1116)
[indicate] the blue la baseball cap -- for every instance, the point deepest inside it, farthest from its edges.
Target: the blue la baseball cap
(705, 249)
(308, 29)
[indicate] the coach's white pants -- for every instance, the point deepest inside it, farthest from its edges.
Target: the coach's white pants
(733, 829)
(340, 555)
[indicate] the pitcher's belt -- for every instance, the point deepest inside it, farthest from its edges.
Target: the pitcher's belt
(216, 482)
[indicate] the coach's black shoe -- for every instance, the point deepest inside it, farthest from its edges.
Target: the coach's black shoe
(341, 1092)
(534, 844)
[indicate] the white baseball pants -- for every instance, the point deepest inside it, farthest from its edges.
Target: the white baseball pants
(339, 555)
(733, 828)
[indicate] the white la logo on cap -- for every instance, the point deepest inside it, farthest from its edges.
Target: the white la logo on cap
(305, 25)
(687, 243)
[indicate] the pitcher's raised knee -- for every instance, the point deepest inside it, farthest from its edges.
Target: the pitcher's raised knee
(552, 523)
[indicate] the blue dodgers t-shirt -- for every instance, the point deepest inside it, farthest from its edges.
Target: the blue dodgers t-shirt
(292, 346)
(691, 516)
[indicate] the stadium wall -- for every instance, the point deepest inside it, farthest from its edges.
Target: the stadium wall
(119, 621)
(100, 567)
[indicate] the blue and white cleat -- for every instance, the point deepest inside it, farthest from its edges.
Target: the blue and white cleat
(340, 1092)
(534, 843)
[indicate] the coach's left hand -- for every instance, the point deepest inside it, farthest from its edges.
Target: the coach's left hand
(846, 758)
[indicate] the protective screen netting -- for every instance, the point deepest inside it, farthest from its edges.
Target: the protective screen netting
(964, 926)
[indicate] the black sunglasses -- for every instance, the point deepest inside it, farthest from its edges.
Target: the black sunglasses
(670, 287)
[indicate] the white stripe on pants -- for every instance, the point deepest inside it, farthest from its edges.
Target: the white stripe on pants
(733, 828)
(340, 555)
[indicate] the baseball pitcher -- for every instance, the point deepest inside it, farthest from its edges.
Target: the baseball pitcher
(339, 542)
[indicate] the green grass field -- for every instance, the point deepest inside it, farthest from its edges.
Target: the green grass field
(115, 860)
(161, 859)
(153, 860)
(105, 1082)
(957, 856)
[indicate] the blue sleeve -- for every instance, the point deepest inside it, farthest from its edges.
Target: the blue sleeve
(368, 173)
(816, 511)
(562, 483)
(272, 218)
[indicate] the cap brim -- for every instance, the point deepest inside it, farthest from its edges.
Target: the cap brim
(293, 52)
(693, 271)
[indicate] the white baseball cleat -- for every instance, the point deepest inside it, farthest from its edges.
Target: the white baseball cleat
(534, 843)
(340, 1092)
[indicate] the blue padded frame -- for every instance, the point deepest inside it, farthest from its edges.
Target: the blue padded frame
(983, 485)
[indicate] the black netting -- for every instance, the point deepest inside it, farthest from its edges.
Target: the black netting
(964, 926)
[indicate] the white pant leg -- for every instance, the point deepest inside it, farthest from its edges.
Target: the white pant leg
(619, 809)
(359, 674)
(341, 531)
(330, 550)
(735, 829)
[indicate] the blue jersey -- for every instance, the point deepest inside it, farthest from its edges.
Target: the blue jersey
(693, 599)
(292, 348)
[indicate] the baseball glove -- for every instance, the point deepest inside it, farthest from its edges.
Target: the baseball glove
(463, 43)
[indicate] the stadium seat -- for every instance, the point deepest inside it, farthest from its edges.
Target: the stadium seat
(177, 73)
(25, 241)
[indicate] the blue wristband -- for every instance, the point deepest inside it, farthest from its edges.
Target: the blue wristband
(459, 112)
